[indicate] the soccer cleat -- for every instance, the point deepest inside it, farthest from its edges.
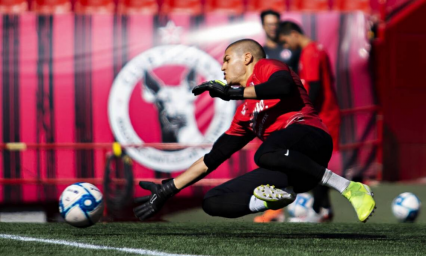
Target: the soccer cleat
(361, 198)
(270, 216)
(273, 197)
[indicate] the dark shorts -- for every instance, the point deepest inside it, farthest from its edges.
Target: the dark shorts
(232, 198)
(308, 140)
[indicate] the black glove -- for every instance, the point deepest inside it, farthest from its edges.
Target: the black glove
(152, 204)
(219, 89)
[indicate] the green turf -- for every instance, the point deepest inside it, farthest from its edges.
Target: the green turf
(343, 211)
(193, 232)
(227, 238)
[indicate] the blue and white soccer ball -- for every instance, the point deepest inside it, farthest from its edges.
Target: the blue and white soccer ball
(81, 205)
(406, 207)
(300, 207)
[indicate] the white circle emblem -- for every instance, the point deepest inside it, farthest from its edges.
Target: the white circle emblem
(121, 91)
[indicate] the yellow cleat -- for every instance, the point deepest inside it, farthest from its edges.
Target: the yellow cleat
(361, 198)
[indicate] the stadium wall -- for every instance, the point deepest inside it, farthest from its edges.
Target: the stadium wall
(400, 59)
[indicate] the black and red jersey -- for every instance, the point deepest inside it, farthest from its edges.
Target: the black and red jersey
(262, 117)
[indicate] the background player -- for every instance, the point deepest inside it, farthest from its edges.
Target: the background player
(270, 23)
(295, 151)
(317, 77)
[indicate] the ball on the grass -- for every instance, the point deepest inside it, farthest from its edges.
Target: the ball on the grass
(81, 205)
(300, 207)
(406, 207)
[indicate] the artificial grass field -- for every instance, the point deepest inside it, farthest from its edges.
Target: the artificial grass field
(195, 233)
(239, 238)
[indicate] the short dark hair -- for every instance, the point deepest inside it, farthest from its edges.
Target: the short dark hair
(286, 27)
(252, 46)
(268, 12)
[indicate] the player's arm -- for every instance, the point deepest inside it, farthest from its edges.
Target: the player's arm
(279, 85)
(223, 148)
(313, 85)
(314, 93)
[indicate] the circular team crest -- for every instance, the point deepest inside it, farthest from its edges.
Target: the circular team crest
(175, 105)
(286, 54)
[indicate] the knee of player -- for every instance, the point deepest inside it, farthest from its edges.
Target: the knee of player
(209, 206)
(258, 158)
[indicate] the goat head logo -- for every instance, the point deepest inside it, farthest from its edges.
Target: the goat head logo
(174, 105)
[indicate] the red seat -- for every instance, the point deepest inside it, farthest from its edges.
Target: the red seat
(193, 7)
(352, 5)
(262, 5)
(13, 6)
(137, 6)
(225, 6)
(309, 5)
(51, 6)
(94, 6)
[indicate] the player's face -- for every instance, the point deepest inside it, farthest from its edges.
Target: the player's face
(270, 25)
(289, 41)
(233, 66)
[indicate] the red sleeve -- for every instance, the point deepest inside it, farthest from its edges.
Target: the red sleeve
(311, 66)
(237, 127)
(265, 68)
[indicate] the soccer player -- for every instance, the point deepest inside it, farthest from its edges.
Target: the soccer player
(317, 78)
(270, 22)
(294, 154)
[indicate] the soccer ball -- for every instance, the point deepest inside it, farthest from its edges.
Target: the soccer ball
(300, 207)
(406, 207)
(81, 205)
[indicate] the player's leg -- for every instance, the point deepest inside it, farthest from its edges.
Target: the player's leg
(321, 208)
(235, 198)
(302, 152)
(322, 204)
(289, 138)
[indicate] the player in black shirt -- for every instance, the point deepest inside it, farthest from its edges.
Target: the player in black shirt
(274, 50)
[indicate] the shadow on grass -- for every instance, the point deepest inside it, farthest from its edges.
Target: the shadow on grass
(272, 235)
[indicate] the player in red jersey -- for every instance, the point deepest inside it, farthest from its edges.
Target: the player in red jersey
(317, 78)
(294, 154)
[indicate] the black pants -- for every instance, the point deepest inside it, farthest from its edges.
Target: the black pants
(296, 156)
(321, 198)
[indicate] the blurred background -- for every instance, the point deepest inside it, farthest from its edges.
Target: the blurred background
(99, 91)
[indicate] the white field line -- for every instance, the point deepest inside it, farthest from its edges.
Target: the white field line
(90, 246)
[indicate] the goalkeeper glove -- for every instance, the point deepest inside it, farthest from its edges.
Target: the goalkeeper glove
(219, 89)
(153, 203)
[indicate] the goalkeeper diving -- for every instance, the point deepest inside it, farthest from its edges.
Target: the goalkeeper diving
(292, 158)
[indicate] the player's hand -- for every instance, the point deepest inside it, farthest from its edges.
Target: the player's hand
(153, 203)
(216, 88)
(219, 89)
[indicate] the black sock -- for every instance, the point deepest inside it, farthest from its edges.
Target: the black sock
(321, 198)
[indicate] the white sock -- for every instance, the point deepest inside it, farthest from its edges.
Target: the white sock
(332, 180)
(257, 205)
